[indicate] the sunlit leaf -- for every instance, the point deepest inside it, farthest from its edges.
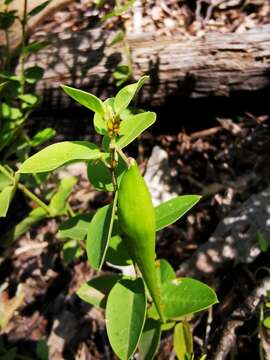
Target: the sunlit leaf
(133, 126)
(125, 316)
(172, 210)
(6, 196)
(86, 99)
(182, 341)
(58, 203)
(125, 95)
(59, 154)
(42, 136)
(99, 234)
(184, 296)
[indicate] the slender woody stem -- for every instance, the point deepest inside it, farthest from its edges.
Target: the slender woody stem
(22, 59)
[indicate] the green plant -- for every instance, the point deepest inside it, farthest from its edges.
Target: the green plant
(138, 308)
(123, 72)
(17, 102)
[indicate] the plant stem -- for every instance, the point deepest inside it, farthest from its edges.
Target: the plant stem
(69, 209)
(22, 59)
(113, 166)
(5, 172)
(33, 197)
(128, 54)
(7, 63)
(122, 154)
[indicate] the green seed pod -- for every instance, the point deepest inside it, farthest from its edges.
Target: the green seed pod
(137, 219)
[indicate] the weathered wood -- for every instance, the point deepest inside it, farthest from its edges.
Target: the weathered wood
(217, 64)
(15, 32)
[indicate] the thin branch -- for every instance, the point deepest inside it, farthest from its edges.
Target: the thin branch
(237, 319)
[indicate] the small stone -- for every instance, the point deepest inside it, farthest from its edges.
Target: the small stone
(170, 23)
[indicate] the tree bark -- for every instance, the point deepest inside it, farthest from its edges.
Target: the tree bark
(214, 65)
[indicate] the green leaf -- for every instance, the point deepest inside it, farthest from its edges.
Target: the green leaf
(6, 19)
(9, 112)
(33, 74)
(125, 316)
(184, 296)
(4, 181)
(37, 9)
(118, 37)
(262, 241)
(167, 326)
(122, 74)
(172, 210)
(125, 95)
(118, 10)
(6, 196)
(58, 203)
(71, 250)
(99, 234)
(75, 228)
(59, 154)
(100, 175)
(29, 100)
(2, 85)
(266, 322)
(149, 340)
(42, 136)
(117, 253)
(86, 99)
(35, 47)
(165, 271)
(133, 126)
(42, 350)
(182, 341)
(96, 291)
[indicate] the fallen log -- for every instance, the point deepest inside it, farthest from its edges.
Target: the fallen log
(15, 32)
(214, 65)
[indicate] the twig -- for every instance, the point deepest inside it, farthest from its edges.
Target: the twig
(206, 132)
(22, 59)
(237, 319)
